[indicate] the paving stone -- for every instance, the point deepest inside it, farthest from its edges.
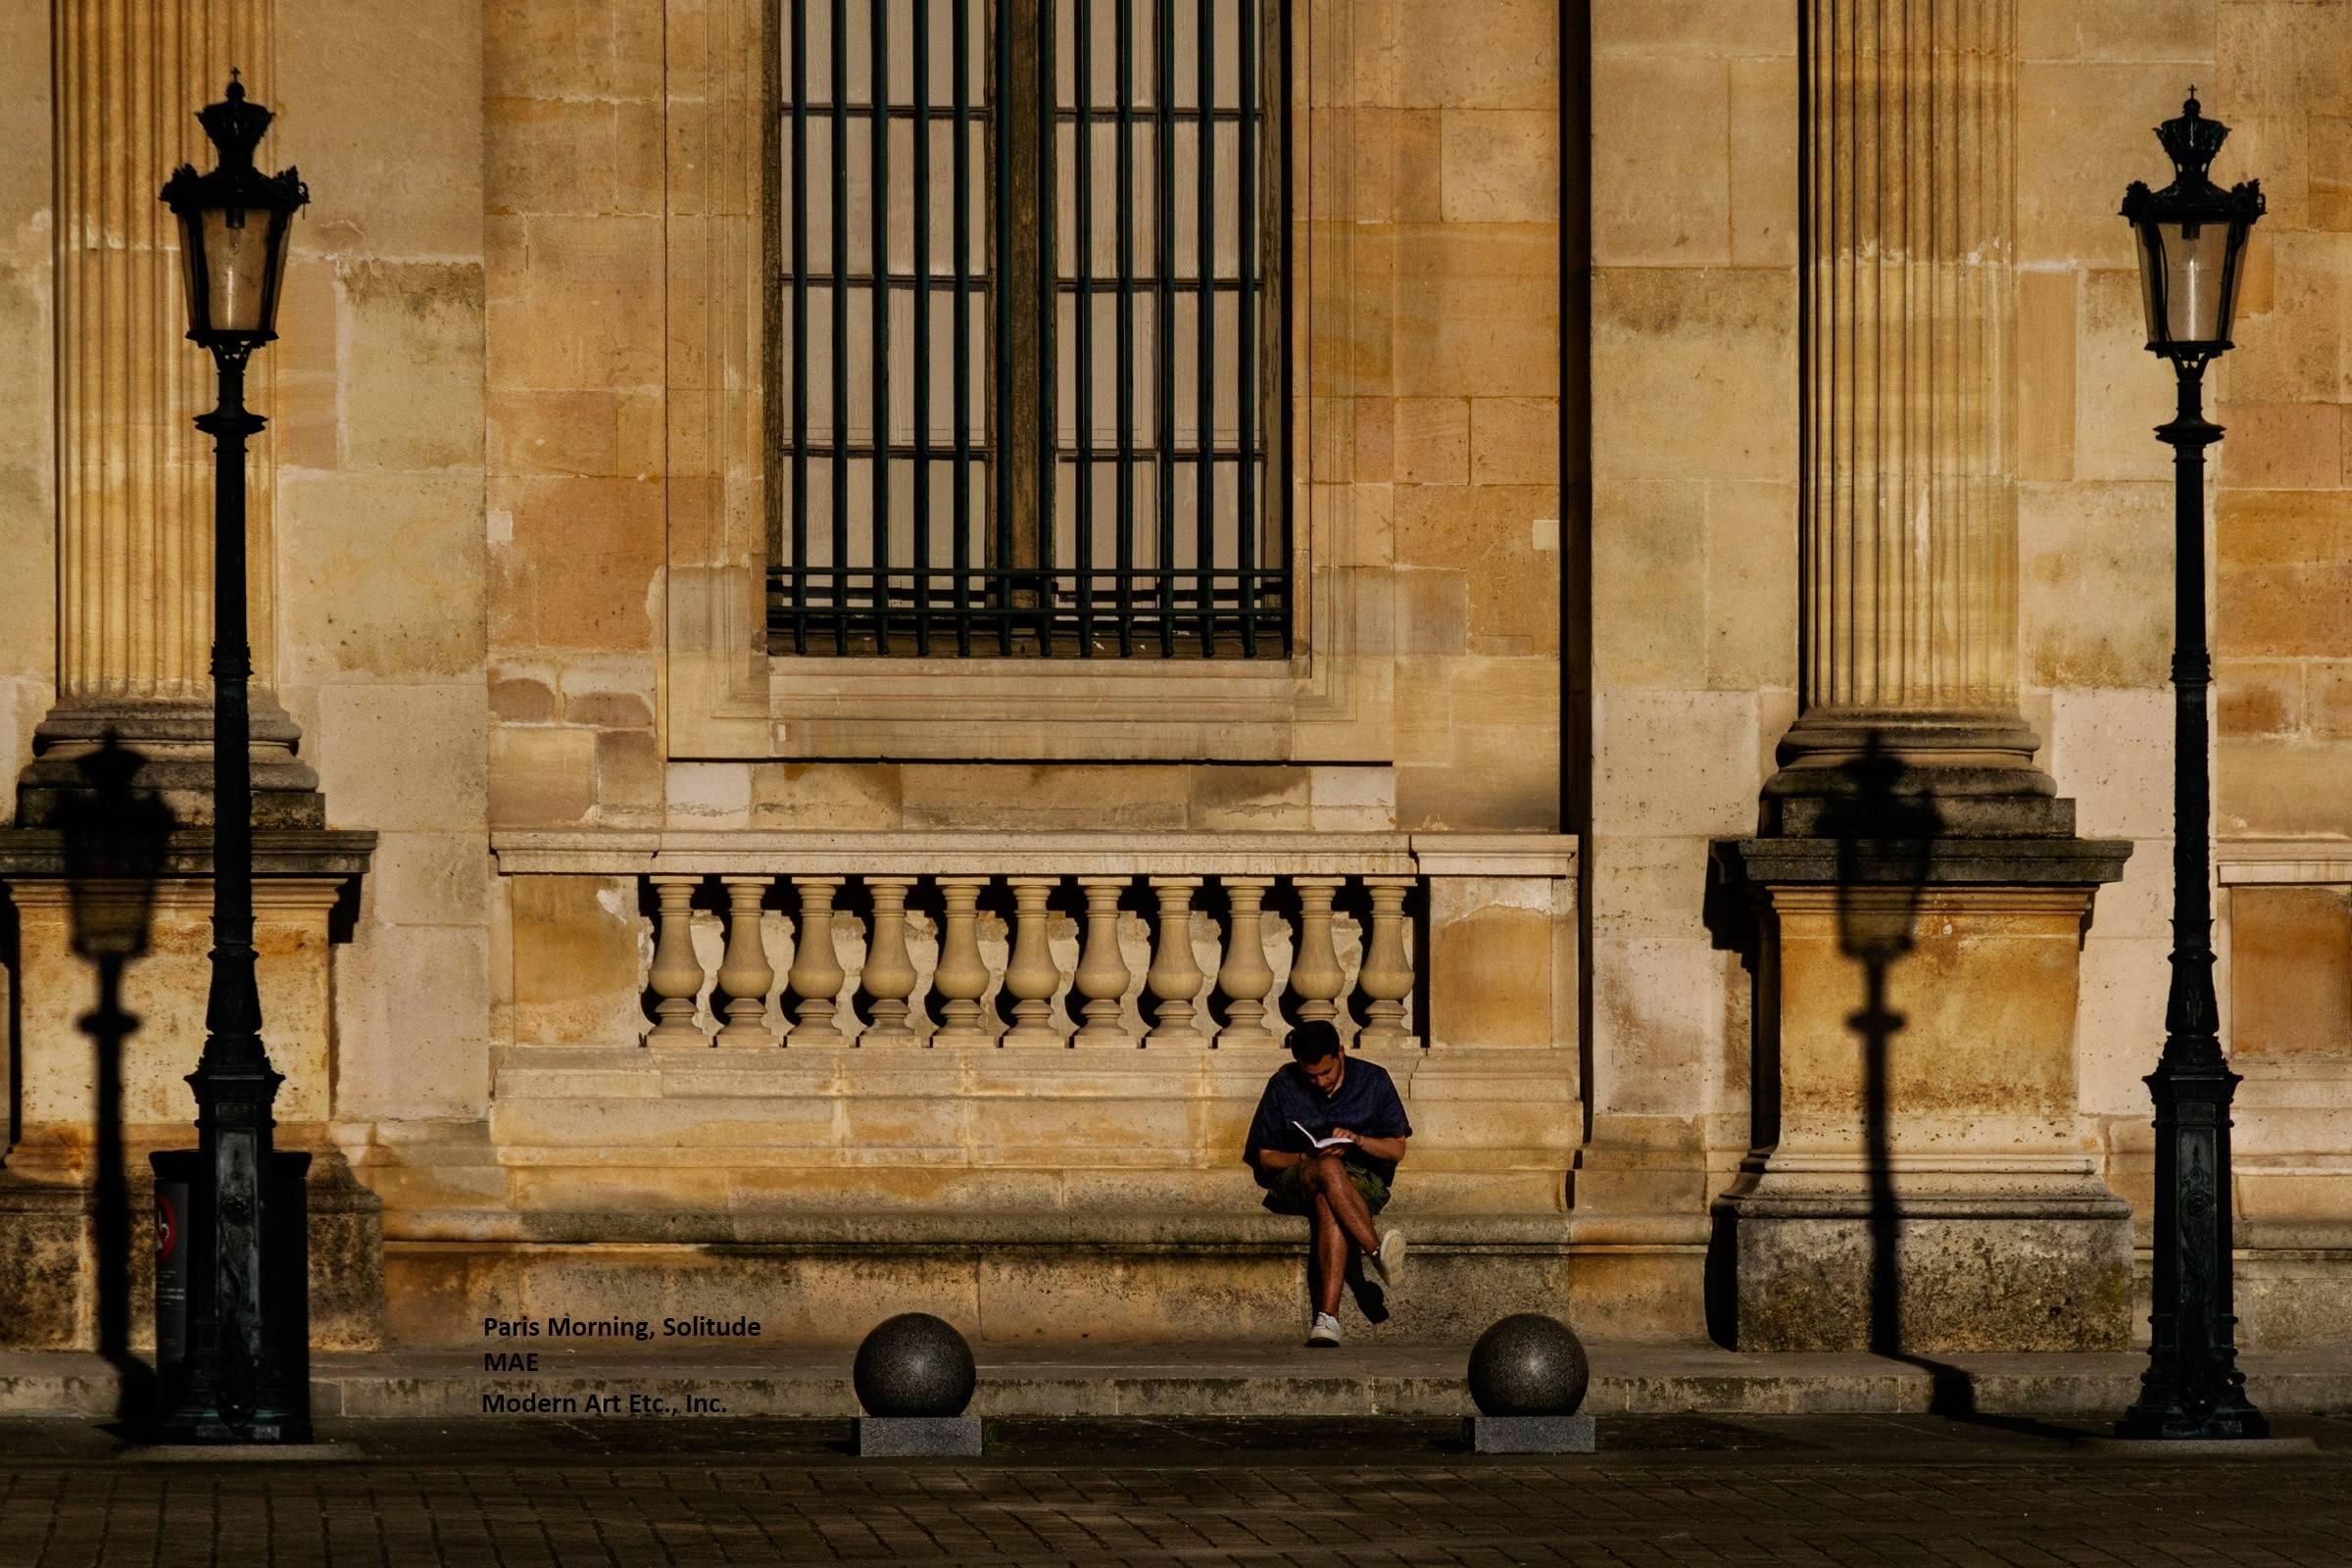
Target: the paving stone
(1871, 1489)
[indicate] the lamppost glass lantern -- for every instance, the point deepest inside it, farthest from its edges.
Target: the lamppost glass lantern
(233, 222)
(2192, 241)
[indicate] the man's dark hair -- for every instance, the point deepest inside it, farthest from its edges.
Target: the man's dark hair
(1315, 1040)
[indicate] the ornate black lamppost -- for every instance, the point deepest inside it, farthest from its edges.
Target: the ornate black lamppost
(2192, 239)
(239, 1385)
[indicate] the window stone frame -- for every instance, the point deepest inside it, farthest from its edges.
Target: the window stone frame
(726, 697)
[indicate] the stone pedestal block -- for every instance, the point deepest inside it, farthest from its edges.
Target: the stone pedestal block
(1530, 1433)
(2052, 1272)
(302, 884)
(101, 1071)
(51, 1235)
(1922, 1178)
(903, 1435)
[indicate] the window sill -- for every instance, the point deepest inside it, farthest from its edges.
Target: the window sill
(1219, 710)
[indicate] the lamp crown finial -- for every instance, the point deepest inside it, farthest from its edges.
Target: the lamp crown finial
(2192, 140)
(235, 125)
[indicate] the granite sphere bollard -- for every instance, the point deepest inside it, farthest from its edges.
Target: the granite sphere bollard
(914, 1375)
(1529, 1364)
(1528, 1376)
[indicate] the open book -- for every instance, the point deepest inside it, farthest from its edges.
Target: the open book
(1322, 1143)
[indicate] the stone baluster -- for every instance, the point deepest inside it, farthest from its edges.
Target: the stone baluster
(1245, 976)
(676, 977)
(962, 978)
(888, 977)
(1030, 977)
(1386, 975)
(1102, 977)
(1174, 977)
(743, 973)
(1315, 974)
(816, 972)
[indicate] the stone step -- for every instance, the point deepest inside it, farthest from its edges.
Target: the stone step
(1204, 1380)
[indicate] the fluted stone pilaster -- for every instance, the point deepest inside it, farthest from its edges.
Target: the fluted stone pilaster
(1909, 531)
(134, 477)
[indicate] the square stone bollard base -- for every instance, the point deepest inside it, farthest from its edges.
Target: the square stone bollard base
(901, 1435)
(1530, 1433)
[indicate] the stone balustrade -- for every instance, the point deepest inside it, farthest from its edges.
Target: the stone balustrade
(757, 939)
(971, 959)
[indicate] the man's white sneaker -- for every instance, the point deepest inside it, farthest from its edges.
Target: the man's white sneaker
(1325, 1334)
(1389, 1261)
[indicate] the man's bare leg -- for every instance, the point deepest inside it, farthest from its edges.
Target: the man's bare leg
(1331, 1257)
(1328, 1178)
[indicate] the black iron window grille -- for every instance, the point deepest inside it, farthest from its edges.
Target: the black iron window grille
(1028, 357)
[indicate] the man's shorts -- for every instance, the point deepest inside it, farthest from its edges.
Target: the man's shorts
(1288, 1194)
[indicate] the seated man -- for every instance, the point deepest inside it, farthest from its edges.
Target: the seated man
(1325, 1144)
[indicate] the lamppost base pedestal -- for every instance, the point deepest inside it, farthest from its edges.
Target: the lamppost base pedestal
(212, 1436)
(2230, 1425)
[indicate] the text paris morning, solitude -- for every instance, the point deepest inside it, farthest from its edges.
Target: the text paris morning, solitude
(563, 1326)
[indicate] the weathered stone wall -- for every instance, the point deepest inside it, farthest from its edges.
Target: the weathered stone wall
(1695, 417)
(1427, 434)
(2094, 488)
(2283, 643)
(1426, 340)
(2284, 491)
(28, 429)
(380, 552)
(2095, 502)
(1694, 507)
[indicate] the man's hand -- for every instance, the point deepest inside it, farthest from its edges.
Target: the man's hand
(1387, 1149)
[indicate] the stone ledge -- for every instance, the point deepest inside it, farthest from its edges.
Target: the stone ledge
(953, 1230)
(752, 851)
(39, 852)
(1929, 862)
(755, 851)
(1227, 1379)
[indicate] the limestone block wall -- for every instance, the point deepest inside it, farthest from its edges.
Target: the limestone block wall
(621, 345)
(28, 429)
(2095, 492)
(2284, 644)
(2095, 495)
(1694, 590)
(380, 548)
(1694, 537)
(2284, 486)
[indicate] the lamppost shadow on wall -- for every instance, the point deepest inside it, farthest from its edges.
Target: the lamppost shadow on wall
(1885, 841)
(115, 839)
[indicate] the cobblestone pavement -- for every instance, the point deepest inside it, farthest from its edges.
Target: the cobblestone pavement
(1852, 1490)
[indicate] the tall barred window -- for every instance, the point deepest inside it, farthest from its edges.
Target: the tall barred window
(1027, 369)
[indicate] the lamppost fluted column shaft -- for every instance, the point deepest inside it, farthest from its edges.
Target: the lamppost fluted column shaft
(2192, 1387)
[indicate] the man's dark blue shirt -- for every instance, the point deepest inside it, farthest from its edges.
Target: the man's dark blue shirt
(1365, 1104)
